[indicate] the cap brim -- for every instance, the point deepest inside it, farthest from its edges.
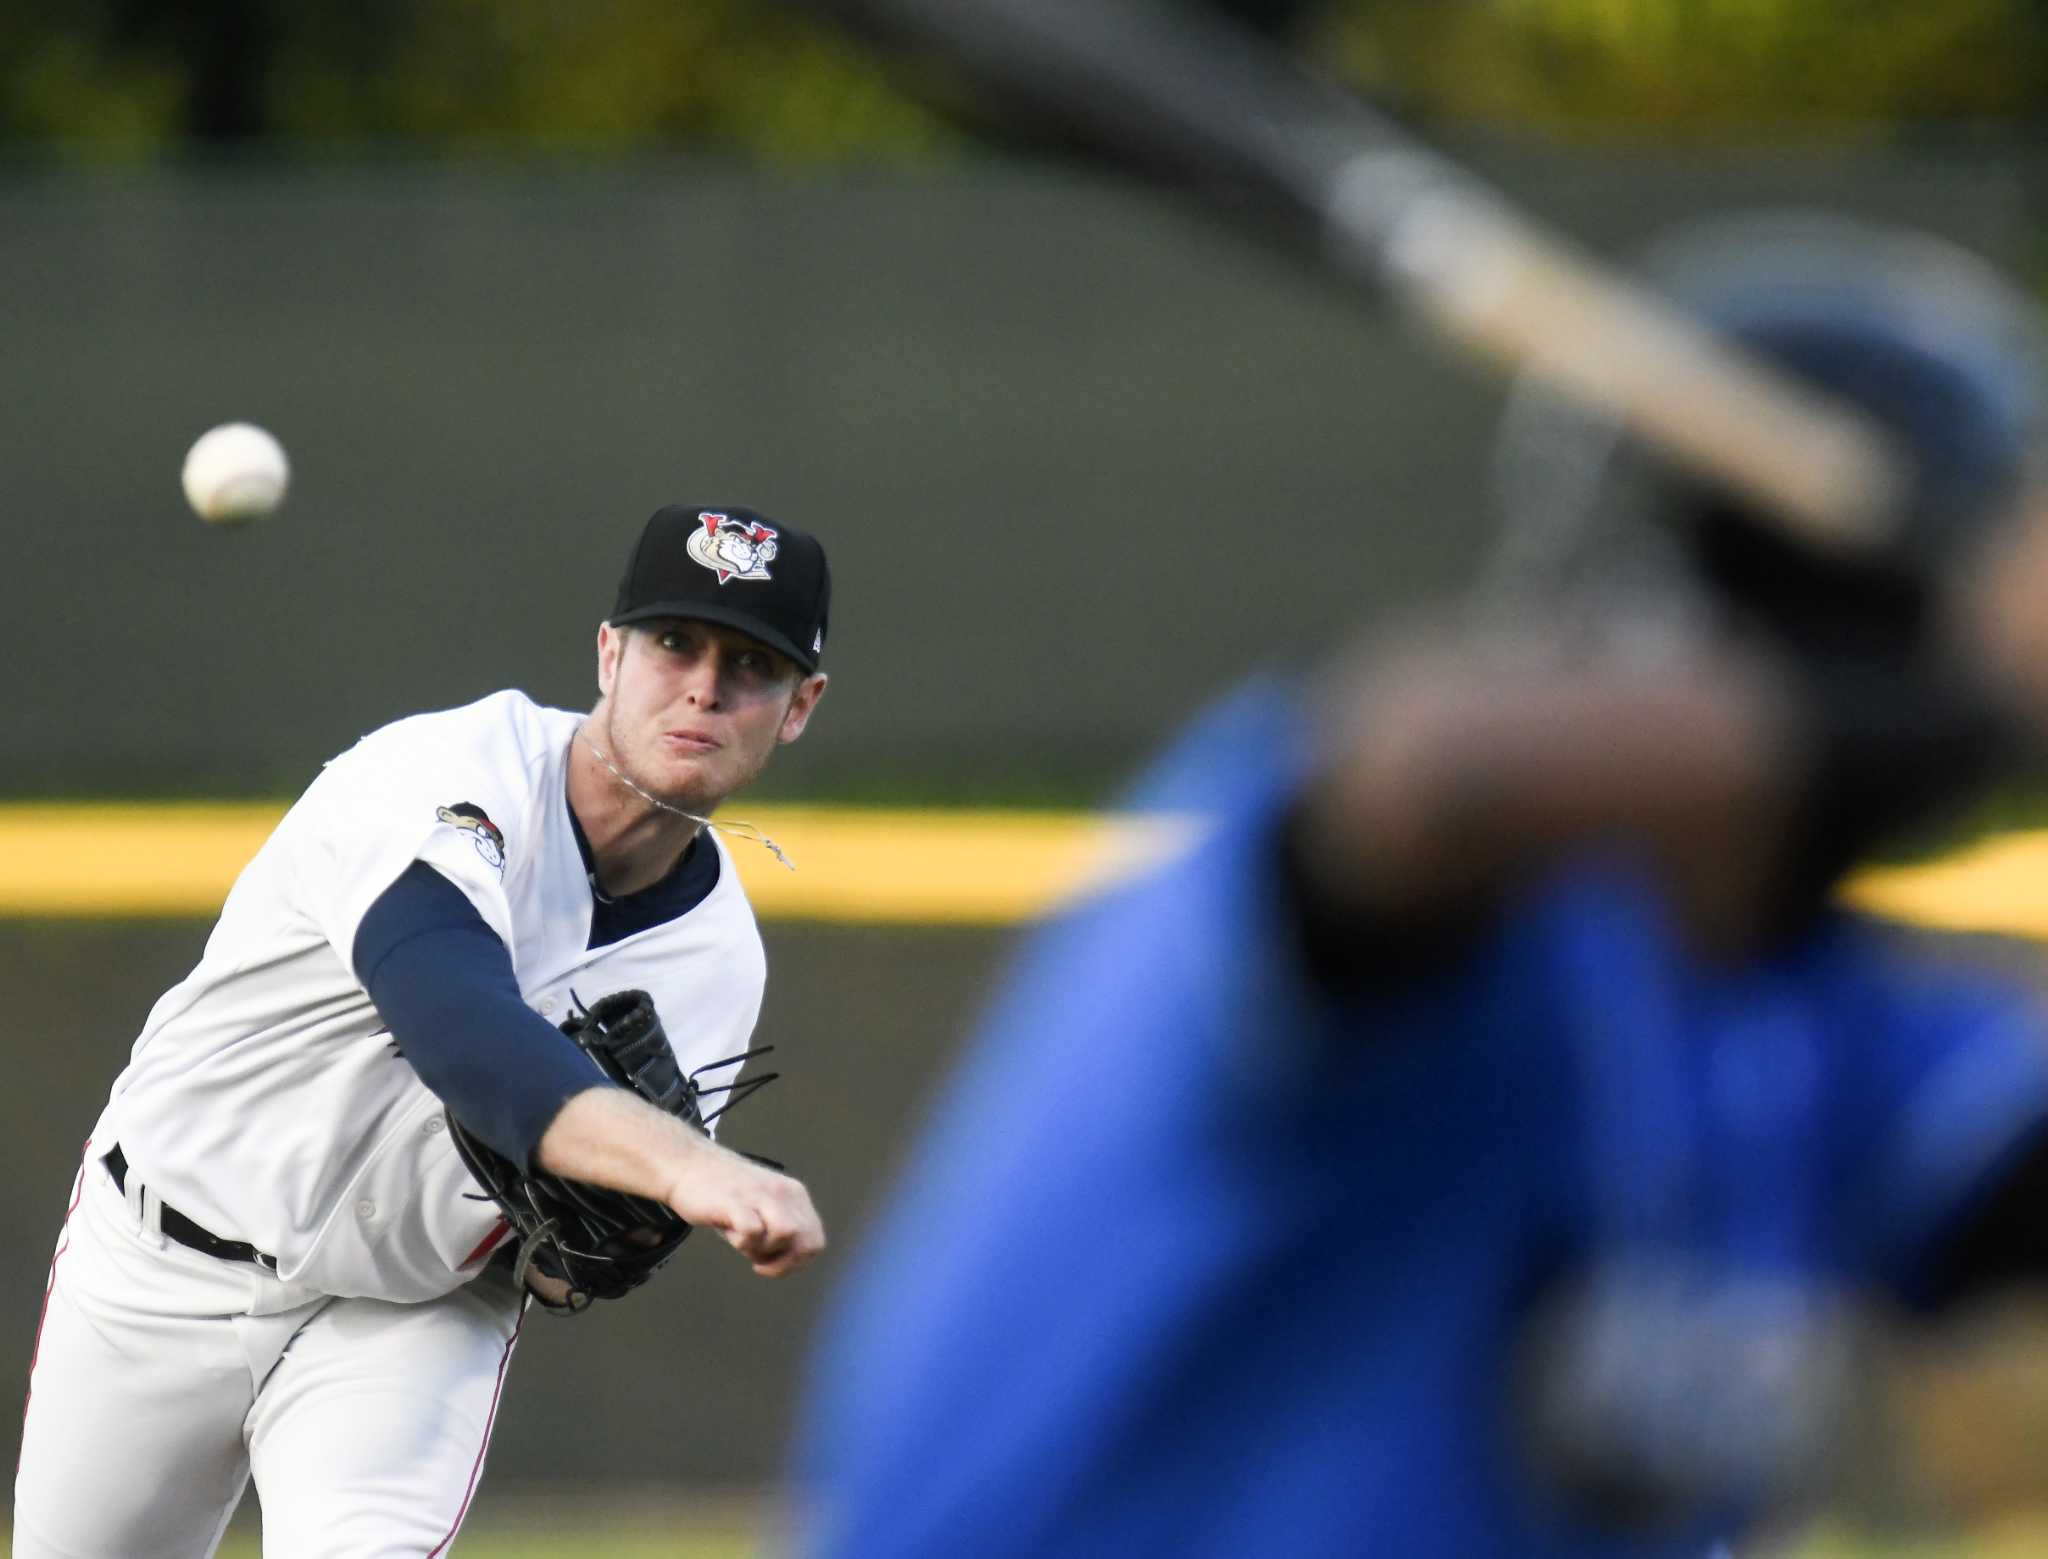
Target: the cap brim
(726, 616)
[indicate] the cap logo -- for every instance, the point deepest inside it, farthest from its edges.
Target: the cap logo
(485, 834)
(733, 549)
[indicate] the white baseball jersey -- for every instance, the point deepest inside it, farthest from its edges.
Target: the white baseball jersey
(358, 1384)
(265, 1100)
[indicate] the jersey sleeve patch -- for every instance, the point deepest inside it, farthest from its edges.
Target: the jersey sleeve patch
(453, 789)
(488, 838)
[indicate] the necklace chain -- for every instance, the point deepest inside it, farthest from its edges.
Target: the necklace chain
(735, 829)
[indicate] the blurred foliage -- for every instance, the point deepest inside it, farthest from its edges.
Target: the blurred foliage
(1659, 70)
(104, 80)
(766, 82)
(605, 76)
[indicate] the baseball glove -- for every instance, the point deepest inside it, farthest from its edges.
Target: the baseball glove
(600, 1243)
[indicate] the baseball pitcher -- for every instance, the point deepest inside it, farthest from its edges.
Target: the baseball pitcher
(448, 1053)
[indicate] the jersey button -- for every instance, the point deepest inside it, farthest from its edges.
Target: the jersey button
(434, 1124)
(547, 1006)
(366, 1209)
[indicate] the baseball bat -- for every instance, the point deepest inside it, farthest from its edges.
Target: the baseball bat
(1216, 104)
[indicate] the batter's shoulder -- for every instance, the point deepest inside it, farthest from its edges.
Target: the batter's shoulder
(1902, 978)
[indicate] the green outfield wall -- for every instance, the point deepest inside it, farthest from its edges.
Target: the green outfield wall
(1080, 458)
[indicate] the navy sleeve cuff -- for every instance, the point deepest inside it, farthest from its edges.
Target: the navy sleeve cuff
(444, 985)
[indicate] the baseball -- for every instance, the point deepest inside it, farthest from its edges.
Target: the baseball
(235, 472)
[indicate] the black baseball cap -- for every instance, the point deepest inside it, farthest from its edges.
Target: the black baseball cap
(721, 564)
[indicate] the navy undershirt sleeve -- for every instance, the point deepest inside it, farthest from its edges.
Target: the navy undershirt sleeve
(443, 982)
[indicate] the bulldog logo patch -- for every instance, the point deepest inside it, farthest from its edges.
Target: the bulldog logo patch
(485, 834)
(733, 549)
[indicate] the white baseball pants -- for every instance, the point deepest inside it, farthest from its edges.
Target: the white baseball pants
(164, 1379)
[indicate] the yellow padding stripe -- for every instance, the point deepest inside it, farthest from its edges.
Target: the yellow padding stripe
(855, 865)
(1999, 884)
(152, 858)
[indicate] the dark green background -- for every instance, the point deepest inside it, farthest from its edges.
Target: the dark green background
(1079, 458)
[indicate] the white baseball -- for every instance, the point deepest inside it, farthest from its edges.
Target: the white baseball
(235, 472)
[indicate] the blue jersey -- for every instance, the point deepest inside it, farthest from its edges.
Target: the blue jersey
(1199, 1260)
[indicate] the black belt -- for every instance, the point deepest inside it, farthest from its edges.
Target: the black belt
(177, 1226)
